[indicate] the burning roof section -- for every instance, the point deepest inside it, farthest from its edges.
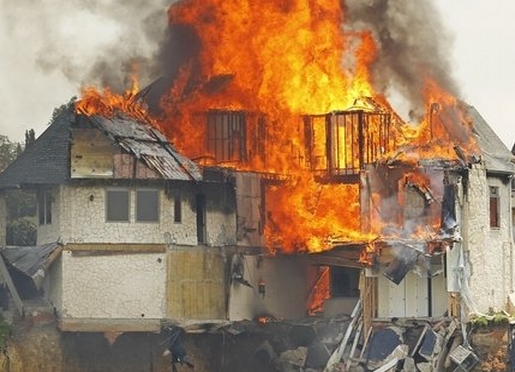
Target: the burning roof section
(299, 105)
(48, 160)
(149, 145)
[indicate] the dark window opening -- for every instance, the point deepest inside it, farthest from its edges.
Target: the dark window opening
(147, 206)
(201, 219)
(226, 136)
(344, 282)
(494, 207)
(117, 205)
(45, 207)
(177, 208)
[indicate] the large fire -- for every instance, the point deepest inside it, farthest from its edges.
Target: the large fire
(276, 63)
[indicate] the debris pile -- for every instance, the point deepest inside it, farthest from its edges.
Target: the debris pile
(343, 344)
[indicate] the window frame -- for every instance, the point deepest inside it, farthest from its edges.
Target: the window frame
(494, 201)
(107, 198)
(177, 208)
(137, 218)
(44, 206)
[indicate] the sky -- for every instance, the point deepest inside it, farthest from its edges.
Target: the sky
(482, 55)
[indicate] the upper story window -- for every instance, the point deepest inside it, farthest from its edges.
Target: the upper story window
(45, 207)
(495, 206)
(226, 136)
(117, 205)
(147, 205)
(177, 208)
(118, 202)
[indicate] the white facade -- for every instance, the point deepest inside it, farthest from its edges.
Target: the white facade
(114, 286)
(480, 266)
(78, 216)
(488, 250)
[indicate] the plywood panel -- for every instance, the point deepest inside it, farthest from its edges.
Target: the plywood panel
(248, 202)
(196, 285)
(91, 154)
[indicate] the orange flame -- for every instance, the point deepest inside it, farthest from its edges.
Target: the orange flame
(281, 60)
(108, 103)
(276, 63)
(321, 291)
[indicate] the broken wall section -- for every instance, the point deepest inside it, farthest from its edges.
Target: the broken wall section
(276, 287)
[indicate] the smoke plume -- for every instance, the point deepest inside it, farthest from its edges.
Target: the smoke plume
(92, 42)
(412, 42)
(99, 42)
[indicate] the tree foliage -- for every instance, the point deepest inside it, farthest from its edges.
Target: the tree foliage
(8, 152)
(21, 226)
(30, 137)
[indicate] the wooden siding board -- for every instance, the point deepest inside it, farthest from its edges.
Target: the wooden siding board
(114, 248)
(248, 202)
(123, 166)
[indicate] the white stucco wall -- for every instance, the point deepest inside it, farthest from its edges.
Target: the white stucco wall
(488, 250)
(78, 216)
(286, 289)
(50, 233)
(53, 284)
(220, 214)
(117, 286)
(87, 220)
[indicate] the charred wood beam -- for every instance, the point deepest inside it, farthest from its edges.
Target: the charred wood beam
(336, 261)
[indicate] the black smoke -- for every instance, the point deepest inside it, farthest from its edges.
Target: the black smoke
(412, 42)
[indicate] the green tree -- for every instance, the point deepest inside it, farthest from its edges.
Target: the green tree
(30, 137)
(7, 152)
(21, 205)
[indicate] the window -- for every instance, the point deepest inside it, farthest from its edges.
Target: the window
(201, 219)
(147, 205)
(177, 208)
(45, 207)
(226, 136)
(117, 205)
(344, 282)
(494, 207)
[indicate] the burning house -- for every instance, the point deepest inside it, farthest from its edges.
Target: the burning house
(264, 182)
